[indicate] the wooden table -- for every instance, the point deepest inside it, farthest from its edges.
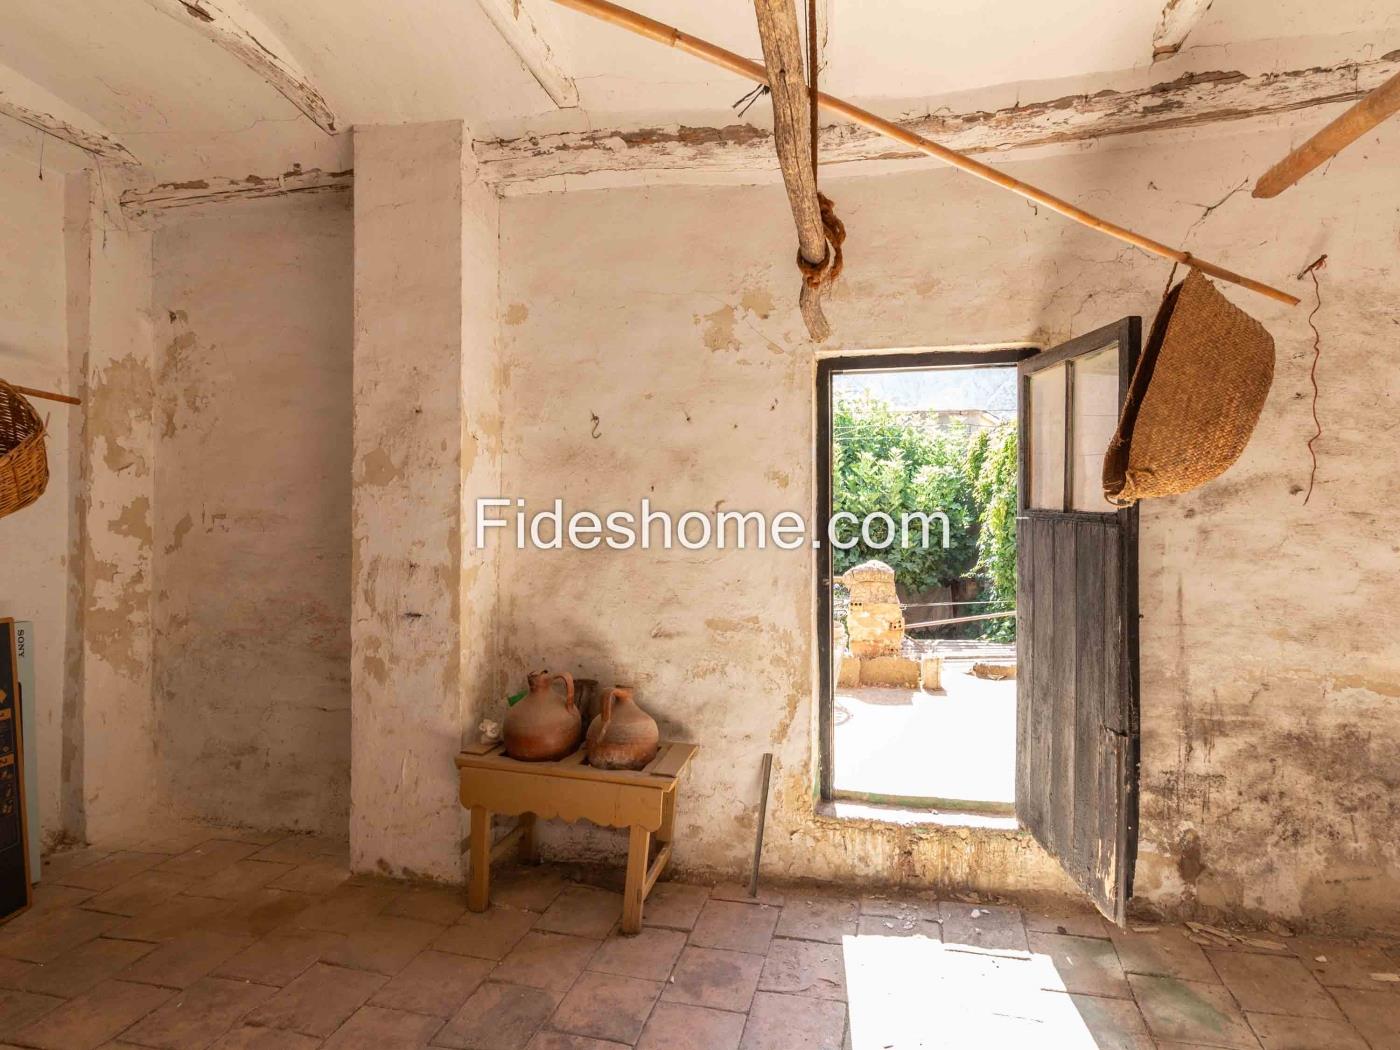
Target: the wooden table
(643, 801)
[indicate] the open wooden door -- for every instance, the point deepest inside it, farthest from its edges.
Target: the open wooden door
(1076, 602)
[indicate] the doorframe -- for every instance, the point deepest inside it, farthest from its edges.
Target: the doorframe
(827, 367)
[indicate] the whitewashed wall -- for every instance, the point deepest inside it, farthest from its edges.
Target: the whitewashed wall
(1270, 663)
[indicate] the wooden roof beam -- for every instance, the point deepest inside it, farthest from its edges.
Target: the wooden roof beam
(247, 38)
(36, 106)
(513, 21)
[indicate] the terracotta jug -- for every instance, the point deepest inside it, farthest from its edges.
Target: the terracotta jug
(543, 726)
(623, 736)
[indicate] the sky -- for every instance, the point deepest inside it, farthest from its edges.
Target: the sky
(993, 389)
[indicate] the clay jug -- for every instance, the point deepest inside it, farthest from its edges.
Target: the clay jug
(543, 726)
(623, 736)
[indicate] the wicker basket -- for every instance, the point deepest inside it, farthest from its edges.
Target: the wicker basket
(1195, 397)
(24, 463)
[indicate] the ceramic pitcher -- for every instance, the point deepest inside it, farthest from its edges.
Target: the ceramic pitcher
(543, 726)
(623, 736)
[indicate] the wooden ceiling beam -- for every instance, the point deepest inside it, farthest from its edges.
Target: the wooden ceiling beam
(247, 38)
(513, 21)
(739, 151)
(1179, 18)
(29, 103)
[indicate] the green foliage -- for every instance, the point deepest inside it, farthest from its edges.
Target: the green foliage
(884, 463)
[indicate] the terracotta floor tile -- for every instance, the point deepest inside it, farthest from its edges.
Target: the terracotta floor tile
(316, 876)
(384, 944)
(583, 911)
(1081, 964)
(674, 904)
(345, 909)
(804, 968)
(1086, 923)
(817, 919)
(565, 1041)
(678, 1026)
(375, 1028)
(1343, 964)
(793, 1022)
(898, 926)
(736, 927)
(59, 865)
(178, 963)
(716, 978)
(54, 934)
(174, 918)
(279, 958)
(1273, 985)
(208, 858)
(436, 983)
(894, 905)
(440, 904)
(85, 967)
(319, 1001)
(531, 888)
(1163, 953)
(139, 894)
(649, 955)
(111, 871)
(982, 927)
(50, 896)
(739, 894)
(1304, 1033)
(1191, 1012)
(606, 1006)
(239, 879)
(1376, 1015)
(490, 934)
(498, 1017)
(18, 1009)
(14, 972)
(547, 960)
(250, 1038)
(93, 1018)
(1113, 1024)
(298, 848)
(260, 913)
(199, 1015)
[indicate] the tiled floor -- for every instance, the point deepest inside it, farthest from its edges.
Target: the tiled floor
(264, 943)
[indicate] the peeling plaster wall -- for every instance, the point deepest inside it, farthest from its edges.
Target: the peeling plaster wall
(34, 352)
(110, 746)
(252, 525)
(426, 441)
(652, 348)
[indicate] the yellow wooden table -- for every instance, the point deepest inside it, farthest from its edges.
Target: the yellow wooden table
(643, 801)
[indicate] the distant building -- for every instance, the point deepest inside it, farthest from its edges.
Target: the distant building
(932, 420)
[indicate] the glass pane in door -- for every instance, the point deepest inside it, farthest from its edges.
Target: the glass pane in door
(1095, 409)
(1047, 439)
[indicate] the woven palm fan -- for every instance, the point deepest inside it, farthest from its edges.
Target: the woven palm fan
(24, 463)
(1195, 397)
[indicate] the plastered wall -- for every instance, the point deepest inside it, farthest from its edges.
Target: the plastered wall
(651, 348)
(251, 531)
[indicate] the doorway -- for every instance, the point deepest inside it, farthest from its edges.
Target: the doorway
(919, 623)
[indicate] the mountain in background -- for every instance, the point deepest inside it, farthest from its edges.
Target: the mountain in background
(935, 389)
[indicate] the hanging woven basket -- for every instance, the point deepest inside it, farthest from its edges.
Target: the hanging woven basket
(24, 462)
(1195, 396)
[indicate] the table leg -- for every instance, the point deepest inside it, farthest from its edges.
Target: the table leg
(479, 886)
(528, 855)
(638, 848)
(667, 831)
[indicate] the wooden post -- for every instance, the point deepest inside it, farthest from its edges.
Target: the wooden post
(667, 831)
(1331, 140)
(529, 853)
(672, 37)
(792, 136)
(479, 886)
(638, 846)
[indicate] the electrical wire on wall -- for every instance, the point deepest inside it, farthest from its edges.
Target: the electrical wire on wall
(1311, 271)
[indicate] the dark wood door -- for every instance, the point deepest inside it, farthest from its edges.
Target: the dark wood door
(1076, 602)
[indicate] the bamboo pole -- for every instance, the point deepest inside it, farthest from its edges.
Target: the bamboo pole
(792, 137)
(47, 395)
(1381, 103)
(672, 37)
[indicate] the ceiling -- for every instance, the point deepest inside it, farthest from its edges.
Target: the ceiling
(189, 109)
